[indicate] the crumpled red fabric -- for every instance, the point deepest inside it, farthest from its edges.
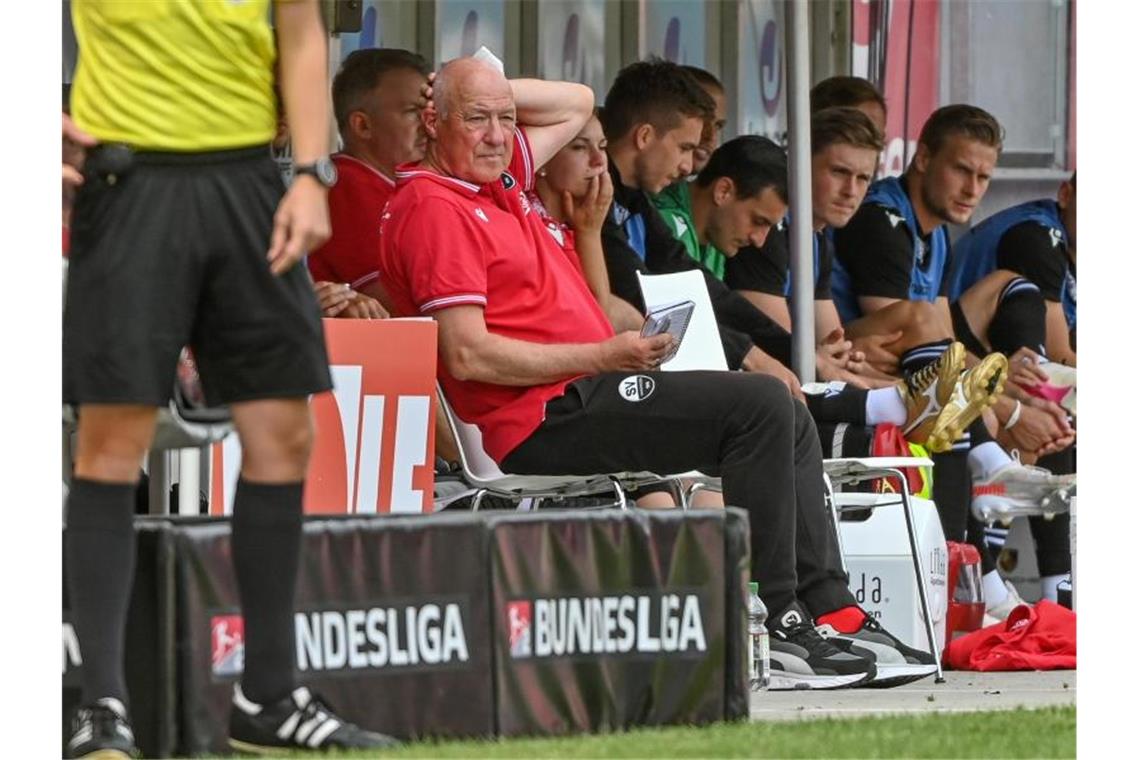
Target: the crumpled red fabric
(1042, 637)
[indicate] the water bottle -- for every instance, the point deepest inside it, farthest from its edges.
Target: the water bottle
(758, 667)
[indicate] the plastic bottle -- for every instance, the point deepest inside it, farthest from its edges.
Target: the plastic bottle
(758, 664)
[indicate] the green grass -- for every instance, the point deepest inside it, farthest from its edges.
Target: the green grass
(1049, 732)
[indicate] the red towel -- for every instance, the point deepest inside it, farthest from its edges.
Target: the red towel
(1042, 637)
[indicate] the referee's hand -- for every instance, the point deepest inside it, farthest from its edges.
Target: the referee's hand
(300, 224)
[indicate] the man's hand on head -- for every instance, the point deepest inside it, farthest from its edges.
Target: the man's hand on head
(300, 224)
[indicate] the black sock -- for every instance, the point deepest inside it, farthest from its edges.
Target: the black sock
(266, 551)
(977, 433)
(914, 359)
(849, 404)
(99, 551)
(1020, 318)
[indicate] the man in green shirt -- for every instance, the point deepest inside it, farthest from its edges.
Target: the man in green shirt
(675, 201)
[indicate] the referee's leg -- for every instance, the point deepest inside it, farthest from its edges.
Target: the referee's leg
(99, 542)
(276, 437)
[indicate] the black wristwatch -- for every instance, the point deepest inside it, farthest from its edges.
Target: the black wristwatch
(323, 170)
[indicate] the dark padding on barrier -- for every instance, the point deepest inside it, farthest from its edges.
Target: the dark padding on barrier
(738, 571)
(606, 620)
(150, 655)
(392, 625)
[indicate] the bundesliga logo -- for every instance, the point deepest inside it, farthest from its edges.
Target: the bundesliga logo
(227, 645)
(618, 624)
(518, 627)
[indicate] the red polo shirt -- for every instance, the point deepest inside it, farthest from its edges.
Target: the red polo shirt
(356, 201)
(445, 242)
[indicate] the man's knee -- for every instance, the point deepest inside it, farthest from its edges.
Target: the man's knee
(763, 399)
(112, 441)
(276, 443)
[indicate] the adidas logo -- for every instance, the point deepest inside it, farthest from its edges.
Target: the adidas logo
(895, 220)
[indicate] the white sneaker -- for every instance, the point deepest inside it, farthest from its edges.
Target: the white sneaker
(1019, 489)
(999, 612)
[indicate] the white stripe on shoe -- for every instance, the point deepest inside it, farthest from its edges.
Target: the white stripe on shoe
(322, 733)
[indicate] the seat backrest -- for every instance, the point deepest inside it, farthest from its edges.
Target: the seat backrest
(478, 467)
(701, 347)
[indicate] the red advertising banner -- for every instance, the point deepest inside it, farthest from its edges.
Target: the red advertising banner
(375, 431)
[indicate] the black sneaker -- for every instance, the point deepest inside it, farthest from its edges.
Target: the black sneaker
(895, 662)
(300, 721)
(101, 731)
(801, 659)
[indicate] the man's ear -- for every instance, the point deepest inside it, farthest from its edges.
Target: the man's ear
(921, 158)
(1065, 194)
(724, 190)
(643, 135)
(430, 119)
(360, 125)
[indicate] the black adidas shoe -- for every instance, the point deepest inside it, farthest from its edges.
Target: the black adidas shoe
(802, 659)
(300, 721)
(101, 731)
(895, 662)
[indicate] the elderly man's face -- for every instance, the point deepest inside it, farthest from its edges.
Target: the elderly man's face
(475, 138)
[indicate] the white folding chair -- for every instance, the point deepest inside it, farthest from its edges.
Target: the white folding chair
(485, 477)
(702, 349)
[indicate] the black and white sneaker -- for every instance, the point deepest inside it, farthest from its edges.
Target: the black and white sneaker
(895, 662)
(801, 659)
(300, 721)
(101, 731)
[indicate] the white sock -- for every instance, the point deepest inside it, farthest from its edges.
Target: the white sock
(993, 589)
(985, 459)
(1049, 586)
(885, 405)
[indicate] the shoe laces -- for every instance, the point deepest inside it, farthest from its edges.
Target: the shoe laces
(103, 720)
(805, 635)
(923, 377)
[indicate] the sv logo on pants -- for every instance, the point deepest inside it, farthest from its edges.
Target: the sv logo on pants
(636, 388)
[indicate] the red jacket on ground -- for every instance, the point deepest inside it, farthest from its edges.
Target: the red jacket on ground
(1043, 637)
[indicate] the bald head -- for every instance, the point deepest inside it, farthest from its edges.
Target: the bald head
(465, 77)
(471, 129)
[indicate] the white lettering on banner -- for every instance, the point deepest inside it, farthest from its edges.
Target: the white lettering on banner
(378, 637)
(71, 655)
(411, 452)
(617, 625)
(368, 459)
(362, 422)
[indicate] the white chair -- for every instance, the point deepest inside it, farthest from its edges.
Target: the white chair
(701, 348)
(484, 476)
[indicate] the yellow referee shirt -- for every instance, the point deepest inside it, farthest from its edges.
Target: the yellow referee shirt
(177, 75)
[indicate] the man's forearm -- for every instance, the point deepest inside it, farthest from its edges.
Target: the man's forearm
(303, 64)
(505, 361)
(539, 103)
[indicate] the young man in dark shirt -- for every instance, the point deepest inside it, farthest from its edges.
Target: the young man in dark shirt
(653, 118)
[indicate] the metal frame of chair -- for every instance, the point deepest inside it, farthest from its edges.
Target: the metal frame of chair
(485, 476)
(848, 471)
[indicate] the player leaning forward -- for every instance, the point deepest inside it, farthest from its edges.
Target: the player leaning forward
(183, 234)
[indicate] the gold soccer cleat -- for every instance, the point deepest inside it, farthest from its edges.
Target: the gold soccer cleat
(926, 393)
(978, 389)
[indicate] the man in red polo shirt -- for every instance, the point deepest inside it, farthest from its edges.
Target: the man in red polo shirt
(377, 99)
(529, 357)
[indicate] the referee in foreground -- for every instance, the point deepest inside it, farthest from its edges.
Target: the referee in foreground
(182, 234)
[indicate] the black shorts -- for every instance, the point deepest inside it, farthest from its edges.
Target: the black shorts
(169, 250)
(962, 332)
